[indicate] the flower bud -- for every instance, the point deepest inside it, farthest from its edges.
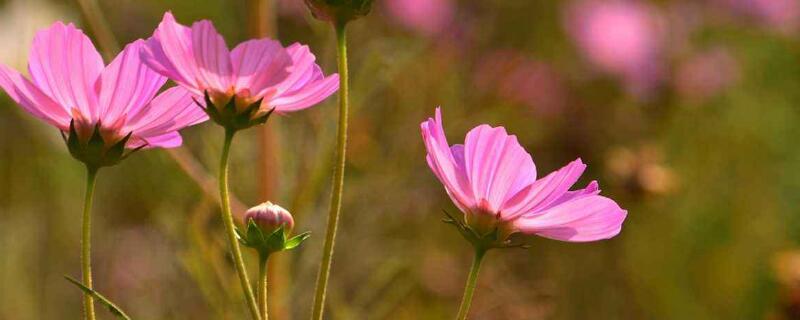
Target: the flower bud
(339, 11)
(269, 217)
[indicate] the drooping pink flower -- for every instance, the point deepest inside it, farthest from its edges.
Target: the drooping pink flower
(197, 58)
(69, 83)
(620, 37)
(428, 17)
(493, 180)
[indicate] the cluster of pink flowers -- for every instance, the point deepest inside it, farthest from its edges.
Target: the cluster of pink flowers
(69, 83)
(102, 110)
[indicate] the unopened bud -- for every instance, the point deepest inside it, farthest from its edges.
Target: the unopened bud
(269, 217)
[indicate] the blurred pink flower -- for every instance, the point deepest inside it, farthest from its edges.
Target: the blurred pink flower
(492, 179)
(197, 58)
(781, 15)
(428, 17)
(69, 82)
(620, 37)
(706, 74)
(519, 79)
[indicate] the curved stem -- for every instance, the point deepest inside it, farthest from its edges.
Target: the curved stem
(472, 281)
(86, 245)
(338, 175)
(262, 287)
(227, 219)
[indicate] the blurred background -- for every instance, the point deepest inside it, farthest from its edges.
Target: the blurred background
(686, 111)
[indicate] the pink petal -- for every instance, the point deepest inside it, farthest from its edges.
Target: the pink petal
(588, 218)
(259, 65)
(212, 56)
(308, 96)
(495, 163)
(542, 193)
(170, 111)
(302, 68)
(170, 53)
(65, 65)
(443, 163)
(127, 84)
(33, 100)
(591, 189)
(167, 140)
(305, 85)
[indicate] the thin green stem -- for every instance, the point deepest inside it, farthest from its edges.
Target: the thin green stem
(227, 219)
(472, 281)
(86, 242)
(338, 175)
(262, 287)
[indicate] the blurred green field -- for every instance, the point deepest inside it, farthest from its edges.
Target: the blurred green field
(709, 173)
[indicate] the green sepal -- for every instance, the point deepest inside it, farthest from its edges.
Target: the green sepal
(114, 309)
(490, 240)
(96, 152)
(265, 244)
(228, 117)
(295, 241)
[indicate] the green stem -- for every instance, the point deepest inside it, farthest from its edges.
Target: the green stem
(86, 245)
(338, 175)
(227, 219)
(472, 281)
(262, 286)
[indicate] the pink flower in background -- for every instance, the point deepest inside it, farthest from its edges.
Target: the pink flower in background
(622, 38)
(492, 179)
(197, 58)
(781, 15)
(519, 79)
(69, 82)
(428, 17)
(706, 74)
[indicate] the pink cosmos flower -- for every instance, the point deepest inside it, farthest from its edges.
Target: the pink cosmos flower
(620, 37)
(197, 58)
(69, 83)
(492, 179)
(779, 15)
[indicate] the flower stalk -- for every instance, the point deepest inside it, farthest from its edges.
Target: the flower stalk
(472, 281)
(262, 286)
(338, 174)
(86, 246)
(230, 229)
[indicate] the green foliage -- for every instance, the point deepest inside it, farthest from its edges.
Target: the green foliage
(116, 311)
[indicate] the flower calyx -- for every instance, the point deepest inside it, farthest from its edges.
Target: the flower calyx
(496, 238)
(234, 113)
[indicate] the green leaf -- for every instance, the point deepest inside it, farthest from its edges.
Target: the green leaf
(110, 305)
(296, 240)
